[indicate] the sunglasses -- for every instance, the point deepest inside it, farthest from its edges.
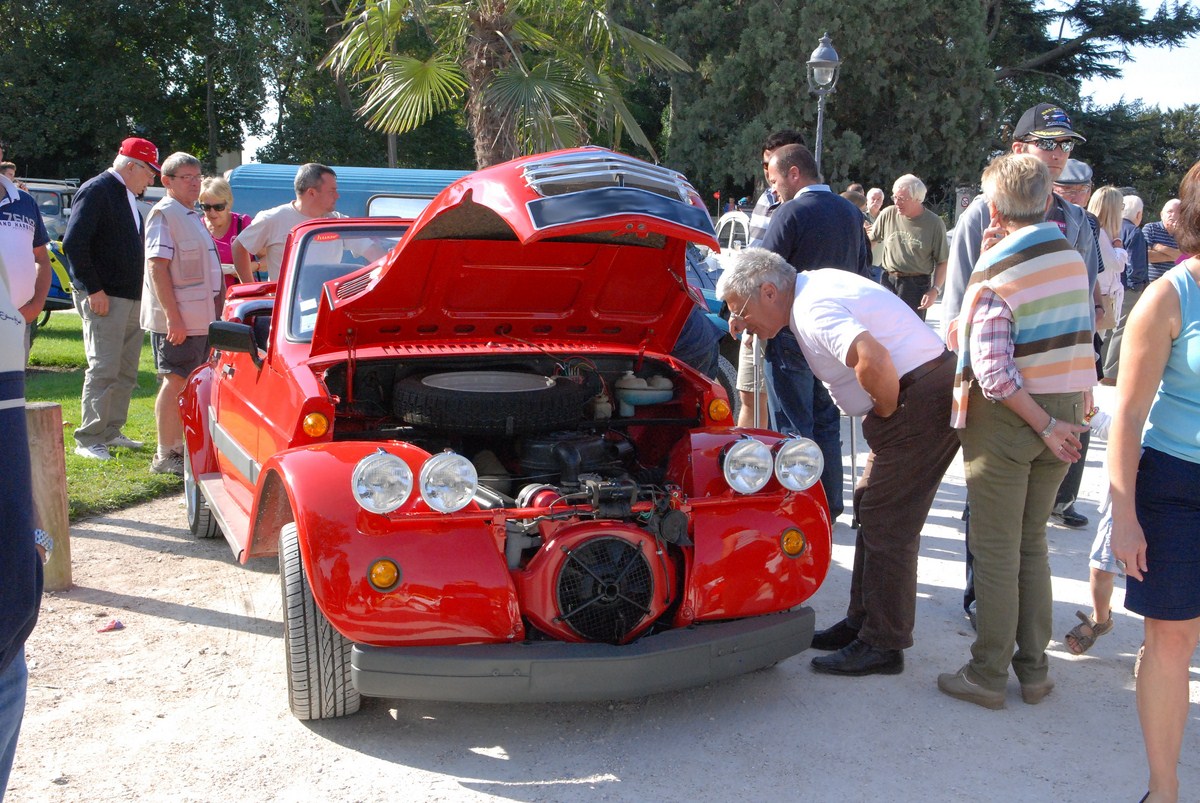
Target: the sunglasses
(213, 207)
(1065, 145)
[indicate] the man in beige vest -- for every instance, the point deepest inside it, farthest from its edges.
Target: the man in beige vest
(182, 294)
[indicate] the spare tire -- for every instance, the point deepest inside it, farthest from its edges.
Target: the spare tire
(491, 402)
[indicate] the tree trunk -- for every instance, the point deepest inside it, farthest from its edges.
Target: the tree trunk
(487, 52)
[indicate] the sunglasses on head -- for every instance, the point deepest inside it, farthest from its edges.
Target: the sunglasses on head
(1065, 145)
(214, 207)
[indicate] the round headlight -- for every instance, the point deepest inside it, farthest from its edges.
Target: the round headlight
(381, 482)
(448, 482)
(798, 464)
(747, 465)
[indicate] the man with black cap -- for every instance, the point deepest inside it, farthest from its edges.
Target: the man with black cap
(104, 244)
(1044, 131)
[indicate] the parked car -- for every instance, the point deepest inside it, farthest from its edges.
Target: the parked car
(733, 230)
(482, 473)
(54, 198)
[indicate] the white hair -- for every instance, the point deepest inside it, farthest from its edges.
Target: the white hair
(751, 268)
(1133, 207)
(914, 185)
(122, 161)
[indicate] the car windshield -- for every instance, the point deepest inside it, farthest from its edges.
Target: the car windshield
(47, 201)
(325, 255)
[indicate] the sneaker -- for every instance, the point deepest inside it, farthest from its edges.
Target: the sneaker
(124, 442)
(961, 687)
(97, 451)
(1034, 693)
(170, 463)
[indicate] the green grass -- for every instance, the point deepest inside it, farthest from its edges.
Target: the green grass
(55, 374)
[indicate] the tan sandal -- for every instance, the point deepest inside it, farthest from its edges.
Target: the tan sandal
(1084, 635)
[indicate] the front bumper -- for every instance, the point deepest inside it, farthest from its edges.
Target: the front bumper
(551, 671)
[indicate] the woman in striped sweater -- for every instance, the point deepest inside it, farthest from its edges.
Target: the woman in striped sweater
(1025, 373)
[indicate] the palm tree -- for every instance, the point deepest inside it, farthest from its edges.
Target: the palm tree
(534, 74)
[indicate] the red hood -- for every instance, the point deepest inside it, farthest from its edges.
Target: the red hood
(579, 246)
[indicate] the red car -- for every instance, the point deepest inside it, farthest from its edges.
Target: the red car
(484, 475)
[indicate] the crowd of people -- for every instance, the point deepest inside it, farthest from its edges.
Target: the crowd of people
(1039, 284)
(1047, 287)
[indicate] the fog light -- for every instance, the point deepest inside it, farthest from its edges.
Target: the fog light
(381, 482)
(793, 542)
(384, 575)
(315, 425)
(798, 463)
(448, 482)
(747, 465)
(718, 410)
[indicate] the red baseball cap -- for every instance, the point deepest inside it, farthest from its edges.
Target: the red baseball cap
(142, 150)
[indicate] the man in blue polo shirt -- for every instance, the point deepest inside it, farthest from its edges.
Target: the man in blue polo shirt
(23, 242)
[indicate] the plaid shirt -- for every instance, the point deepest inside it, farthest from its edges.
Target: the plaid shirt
(992, 348)
(768, 202)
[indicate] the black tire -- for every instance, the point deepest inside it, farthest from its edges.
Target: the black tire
(318, 657)
(727, 376)
(559, 406)
(201, 520)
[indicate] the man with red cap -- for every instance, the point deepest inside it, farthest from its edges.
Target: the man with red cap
(104, 242)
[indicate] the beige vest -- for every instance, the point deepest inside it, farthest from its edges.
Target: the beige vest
(191, 269)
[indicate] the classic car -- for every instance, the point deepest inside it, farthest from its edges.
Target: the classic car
(483, 473)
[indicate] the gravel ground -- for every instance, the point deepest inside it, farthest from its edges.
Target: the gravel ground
(187, 702)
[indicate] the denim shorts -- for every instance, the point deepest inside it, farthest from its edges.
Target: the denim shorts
(1168, 508)
(1102, 556)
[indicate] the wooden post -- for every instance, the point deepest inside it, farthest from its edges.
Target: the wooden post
(47, 459)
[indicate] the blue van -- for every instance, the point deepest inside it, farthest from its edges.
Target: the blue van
(364, 191)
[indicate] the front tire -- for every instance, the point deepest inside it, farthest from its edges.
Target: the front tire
(318, 657)
(200, 518)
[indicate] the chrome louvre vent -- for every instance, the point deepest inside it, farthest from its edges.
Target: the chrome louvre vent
(589, 171)
(355, 286)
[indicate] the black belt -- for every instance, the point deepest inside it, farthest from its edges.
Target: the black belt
(908, 275)
(923, 370)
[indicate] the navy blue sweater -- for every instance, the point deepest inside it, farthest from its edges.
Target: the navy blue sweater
(819, 229)
(103, 242)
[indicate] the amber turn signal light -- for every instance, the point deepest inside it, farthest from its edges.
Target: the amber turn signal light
(718, 410)
(793, 542)
(315, 425)
(384, 574)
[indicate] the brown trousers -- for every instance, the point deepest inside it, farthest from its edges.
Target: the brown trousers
(910, 452)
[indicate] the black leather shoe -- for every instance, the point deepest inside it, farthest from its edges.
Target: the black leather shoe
(1068, 517)
(859, 658)
(834, 638)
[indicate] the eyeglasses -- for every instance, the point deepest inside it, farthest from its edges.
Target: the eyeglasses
(177, 177)
(1064, 145)
(741, 314)
(213, 207)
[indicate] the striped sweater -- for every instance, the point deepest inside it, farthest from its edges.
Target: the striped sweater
(1044, 282)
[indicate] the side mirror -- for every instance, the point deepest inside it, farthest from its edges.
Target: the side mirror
(236, 337)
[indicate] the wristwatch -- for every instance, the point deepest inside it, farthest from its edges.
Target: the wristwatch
(45, 541)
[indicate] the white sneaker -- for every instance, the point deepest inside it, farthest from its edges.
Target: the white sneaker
(96, 451)
(124, 442)
(170, 463)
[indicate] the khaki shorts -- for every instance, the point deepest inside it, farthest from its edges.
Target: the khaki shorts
(745, 369)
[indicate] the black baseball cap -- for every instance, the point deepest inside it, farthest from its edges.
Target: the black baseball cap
(1047, 121)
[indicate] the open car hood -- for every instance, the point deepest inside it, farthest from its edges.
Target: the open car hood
(582, 246)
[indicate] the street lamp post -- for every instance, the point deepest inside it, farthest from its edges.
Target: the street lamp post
(823, 68)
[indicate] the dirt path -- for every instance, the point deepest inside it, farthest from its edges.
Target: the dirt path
(187, 702)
